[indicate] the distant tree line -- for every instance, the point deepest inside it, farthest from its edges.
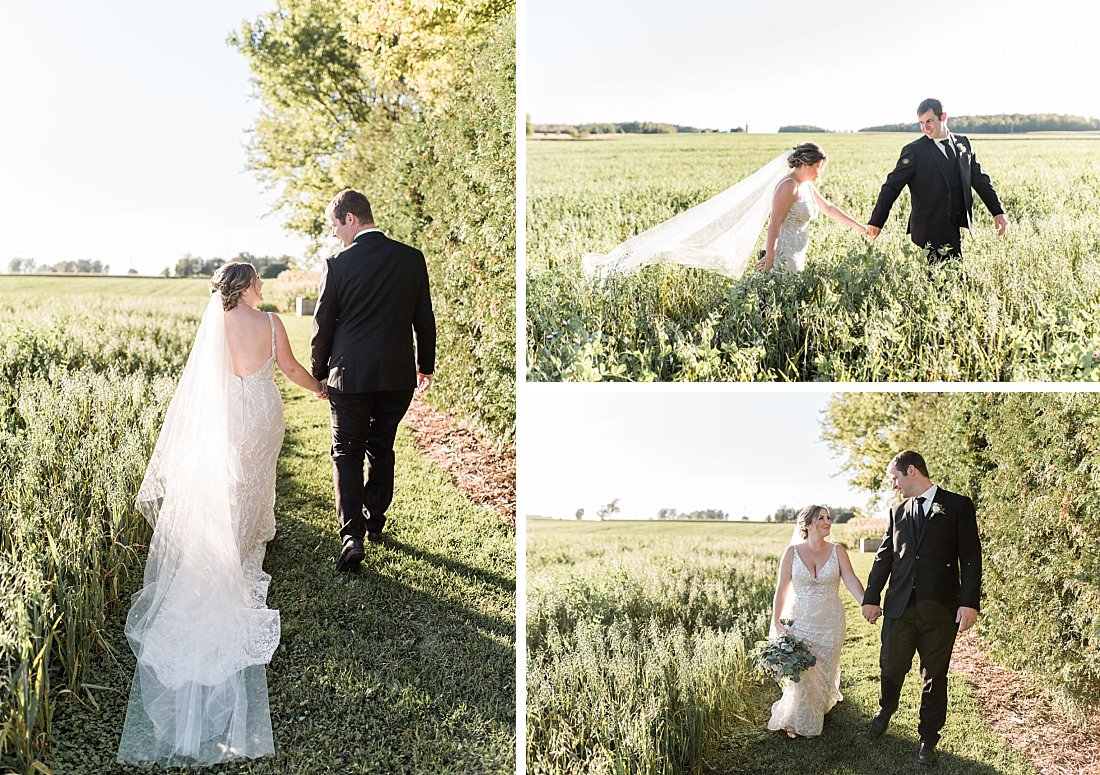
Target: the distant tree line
(79, 266)
(802, 128)
(837, 514)
(624, 128)
(1004, 124)
(712, 514)
(196, 266)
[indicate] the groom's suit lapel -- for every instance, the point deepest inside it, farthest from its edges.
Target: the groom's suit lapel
(910, 510)
(928, 514)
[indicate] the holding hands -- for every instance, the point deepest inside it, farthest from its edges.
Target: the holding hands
(871, 613)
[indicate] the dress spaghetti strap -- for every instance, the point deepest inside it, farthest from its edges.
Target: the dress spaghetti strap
(271, 320)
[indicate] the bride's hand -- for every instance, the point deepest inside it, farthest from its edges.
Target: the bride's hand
(765, 263)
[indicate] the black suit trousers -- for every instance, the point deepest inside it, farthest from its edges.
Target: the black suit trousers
(364, 426)
(922, 628)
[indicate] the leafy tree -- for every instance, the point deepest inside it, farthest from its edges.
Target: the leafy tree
(22, 265)
(413, 103)
(580, 514)
(608, 509)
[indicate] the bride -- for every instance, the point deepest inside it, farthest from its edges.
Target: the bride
(795, 202)
(720, 233)
(814, 568)
(200, 627)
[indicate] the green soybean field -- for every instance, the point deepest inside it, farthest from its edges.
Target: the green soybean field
(1019, 308)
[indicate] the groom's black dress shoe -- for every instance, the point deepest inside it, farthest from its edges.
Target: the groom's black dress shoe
(351, 555)
(926, 754)
(878, 725)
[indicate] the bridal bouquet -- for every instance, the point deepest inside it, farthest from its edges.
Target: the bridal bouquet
(783, 657)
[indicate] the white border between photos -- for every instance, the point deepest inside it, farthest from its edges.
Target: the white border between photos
(521, 376)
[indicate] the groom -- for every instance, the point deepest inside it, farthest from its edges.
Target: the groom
(374, 297)
(940, 170)
(932, 556)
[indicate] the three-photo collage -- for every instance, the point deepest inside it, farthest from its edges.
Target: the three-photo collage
(497, 387)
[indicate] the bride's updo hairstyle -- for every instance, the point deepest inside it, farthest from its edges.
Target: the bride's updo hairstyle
(805, 155)
(232, 280)
(806, 517)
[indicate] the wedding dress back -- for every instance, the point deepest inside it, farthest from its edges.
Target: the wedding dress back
(819, 620)
(199, 627)
(794, 232)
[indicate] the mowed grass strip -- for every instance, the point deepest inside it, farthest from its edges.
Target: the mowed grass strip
(405, 667)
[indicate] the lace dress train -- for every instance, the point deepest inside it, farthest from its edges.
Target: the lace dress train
(200, 627)
(818, 620)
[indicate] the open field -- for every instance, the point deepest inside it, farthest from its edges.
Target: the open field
(408, 666)
(637, 635)
(1026, 307)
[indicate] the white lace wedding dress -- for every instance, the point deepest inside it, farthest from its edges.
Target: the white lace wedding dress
(794, 232)
(200, 626)
(819, 620)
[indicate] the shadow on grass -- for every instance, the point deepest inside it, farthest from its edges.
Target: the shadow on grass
(453, 566)
(407, 666)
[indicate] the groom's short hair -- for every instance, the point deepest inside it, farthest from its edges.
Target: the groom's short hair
(930, 104)
(903, 460)
(351, 201)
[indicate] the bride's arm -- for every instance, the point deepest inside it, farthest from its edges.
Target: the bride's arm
(836, 213)
(851, 581)
(782, 589)
(284, 356)
(785, 194)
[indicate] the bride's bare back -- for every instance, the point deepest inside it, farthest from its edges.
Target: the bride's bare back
(248, 338)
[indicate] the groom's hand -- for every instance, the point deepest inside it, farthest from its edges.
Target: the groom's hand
(423, 382)
(965, 618)
(323, 392)
(872, 232)
(871, 613)
(1001, 222)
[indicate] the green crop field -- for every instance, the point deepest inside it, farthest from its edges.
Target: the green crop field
(1025, 307)
(637, 635)
(408, 666)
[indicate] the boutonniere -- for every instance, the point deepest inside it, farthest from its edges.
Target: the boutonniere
(961, 149)
(937, 508)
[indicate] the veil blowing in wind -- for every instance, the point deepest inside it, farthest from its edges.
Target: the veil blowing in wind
(718, 234)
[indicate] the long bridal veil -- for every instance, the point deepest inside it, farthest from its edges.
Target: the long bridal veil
(199, 628)
(718, 234)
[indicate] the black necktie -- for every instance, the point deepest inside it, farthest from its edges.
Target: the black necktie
(919, 517)
(947, 147)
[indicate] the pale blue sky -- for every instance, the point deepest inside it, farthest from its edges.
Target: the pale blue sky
(123, 134)
(840, 64)
(742, 452)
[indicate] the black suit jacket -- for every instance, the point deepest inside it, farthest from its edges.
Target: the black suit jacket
(923, 168)
(374, 296)
(942, 566)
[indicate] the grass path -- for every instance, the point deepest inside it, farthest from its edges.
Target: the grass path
(968, 745)
(408, 666)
